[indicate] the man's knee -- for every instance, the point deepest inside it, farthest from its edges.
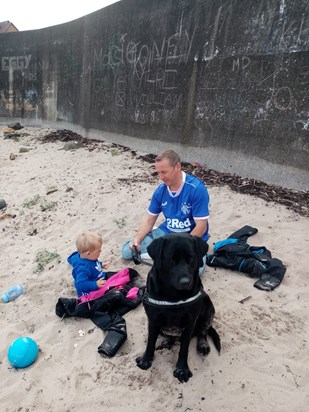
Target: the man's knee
(202, 268)
(126, 252)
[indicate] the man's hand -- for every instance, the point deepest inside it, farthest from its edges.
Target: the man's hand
(135, 243)
(145, 228)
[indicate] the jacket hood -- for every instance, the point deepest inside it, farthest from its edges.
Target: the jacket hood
(74, 259)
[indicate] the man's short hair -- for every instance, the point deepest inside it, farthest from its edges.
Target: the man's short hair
(87, 241)
(170, 155)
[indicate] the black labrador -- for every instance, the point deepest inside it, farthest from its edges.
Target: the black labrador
(175, 300)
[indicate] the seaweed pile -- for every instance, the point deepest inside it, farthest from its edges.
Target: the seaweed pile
(295, 200)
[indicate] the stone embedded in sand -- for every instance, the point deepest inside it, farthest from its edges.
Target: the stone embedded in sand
(24, 149)
(2, 203)
(72, 146)
(15, 126)
(8, 130)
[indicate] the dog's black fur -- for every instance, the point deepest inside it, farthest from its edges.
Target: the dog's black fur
(174, 277)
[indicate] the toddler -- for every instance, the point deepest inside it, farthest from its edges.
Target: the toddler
(87, 270)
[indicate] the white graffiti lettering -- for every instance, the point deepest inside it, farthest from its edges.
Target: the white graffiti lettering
(15, 62)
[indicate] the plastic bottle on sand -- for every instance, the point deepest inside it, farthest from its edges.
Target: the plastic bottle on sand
(12, 293)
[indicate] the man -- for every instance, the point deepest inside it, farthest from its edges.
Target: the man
(183, 199)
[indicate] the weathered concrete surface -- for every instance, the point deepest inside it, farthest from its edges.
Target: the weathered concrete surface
(225, 82)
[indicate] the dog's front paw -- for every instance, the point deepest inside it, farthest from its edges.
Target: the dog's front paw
(143, 363)
(182, 374)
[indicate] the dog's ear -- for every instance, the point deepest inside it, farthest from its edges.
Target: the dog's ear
(201, 249)
(155, 250)
(153, 281)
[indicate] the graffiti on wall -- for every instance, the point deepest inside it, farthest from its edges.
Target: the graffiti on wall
(15, 62)
(143, 74)
(19, 90)
(257, 93)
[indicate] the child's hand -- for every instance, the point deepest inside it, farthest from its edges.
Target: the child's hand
(105, 264)
(100, 282)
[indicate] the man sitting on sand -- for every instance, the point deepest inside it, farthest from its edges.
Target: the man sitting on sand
(182, 198)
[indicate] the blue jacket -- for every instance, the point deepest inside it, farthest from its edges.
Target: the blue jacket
(85, 273)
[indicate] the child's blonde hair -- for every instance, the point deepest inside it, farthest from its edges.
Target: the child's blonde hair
(87, 241)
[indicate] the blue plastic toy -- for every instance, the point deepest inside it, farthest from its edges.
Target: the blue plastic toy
(23, 352)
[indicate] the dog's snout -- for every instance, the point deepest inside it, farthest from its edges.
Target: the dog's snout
(185, 283)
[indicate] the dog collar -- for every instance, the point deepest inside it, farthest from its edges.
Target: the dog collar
(167, 303)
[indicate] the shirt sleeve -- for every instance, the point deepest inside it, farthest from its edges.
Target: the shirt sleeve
(155, 203)
(200, 204)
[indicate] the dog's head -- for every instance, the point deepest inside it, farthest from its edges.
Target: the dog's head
(177, 258)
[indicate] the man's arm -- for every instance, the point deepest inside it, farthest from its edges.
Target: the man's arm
(144, 229)
(200, 227)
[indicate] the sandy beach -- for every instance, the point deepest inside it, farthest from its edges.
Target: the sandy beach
(55, 191)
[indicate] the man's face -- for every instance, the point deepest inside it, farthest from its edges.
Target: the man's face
(167, 173)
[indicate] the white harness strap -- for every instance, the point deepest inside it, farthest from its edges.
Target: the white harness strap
(166, 303)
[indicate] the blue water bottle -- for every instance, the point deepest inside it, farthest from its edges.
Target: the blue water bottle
(12, 293)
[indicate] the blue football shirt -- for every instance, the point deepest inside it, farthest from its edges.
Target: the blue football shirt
(181, 208)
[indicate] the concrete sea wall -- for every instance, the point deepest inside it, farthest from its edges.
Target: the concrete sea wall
(225, 83)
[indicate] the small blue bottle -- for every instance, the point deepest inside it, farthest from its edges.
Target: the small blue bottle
(12, 293)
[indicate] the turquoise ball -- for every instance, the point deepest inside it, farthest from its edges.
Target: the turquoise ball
(23, 352)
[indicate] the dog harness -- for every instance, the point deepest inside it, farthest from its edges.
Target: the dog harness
(148, 299)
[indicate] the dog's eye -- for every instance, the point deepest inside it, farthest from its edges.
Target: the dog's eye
(185, 258)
